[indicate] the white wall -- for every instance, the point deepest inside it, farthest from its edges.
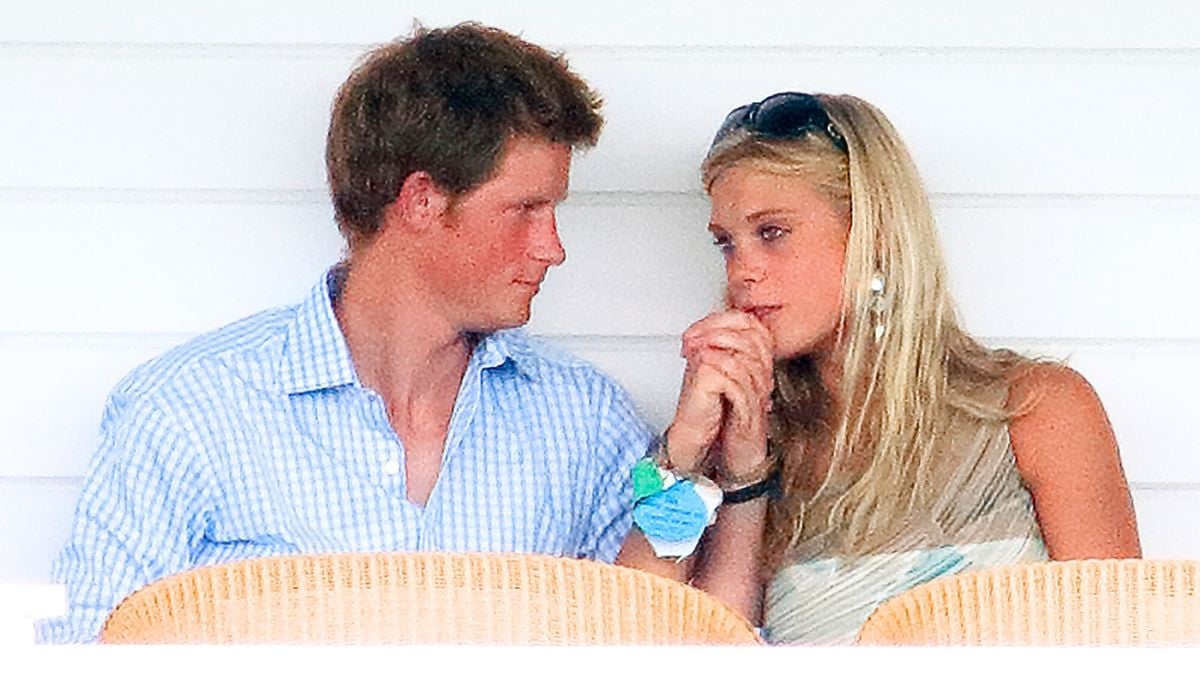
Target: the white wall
(162, 174)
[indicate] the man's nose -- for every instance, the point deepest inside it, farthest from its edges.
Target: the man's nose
(545, 245)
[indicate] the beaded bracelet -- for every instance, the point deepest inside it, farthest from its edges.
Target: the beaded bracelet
(755, 476)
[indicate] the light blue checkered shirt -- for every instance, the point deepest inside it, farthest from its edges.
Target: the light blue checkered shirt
(258, 439)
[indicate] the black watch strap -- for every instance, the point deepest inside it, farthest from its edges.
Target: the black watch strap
(767, 486)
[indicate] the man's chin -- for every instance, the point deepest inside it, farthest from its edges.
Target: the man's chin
(515, 320)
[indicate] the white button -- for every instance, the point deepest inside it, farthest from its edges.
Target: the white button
(391, 467)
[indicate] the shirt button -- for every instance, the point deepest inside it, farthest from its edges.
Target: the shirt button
(391, 467)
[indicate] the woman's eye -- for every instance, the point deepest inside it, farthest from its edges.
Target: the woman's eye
(725, 244)
(771, 232)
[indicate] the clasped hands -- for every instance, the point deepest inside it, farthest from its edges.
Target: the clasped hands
(720, 421)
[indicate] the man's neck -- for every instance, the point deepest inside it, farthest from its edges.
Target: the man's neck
(402, 346)
(410, 354)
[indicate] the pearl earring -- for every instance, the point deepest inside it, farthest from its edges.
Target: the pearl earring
(877, 303)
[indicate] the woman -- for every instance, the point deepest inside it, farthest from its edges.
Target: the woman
(865, 443)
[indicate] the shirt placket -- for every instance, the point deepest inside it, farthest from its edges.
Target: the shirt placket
(450, 496)
(385, 467)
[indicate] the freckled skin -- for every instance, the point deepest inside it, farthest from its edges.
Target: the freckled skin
(502, 238)
(785, 249)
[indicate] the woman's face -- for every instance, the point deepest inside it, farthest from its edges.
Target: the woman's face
(785, 249)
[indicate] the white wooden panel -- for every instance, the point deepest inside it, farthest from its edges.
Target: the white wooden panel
(636, 265)
(645, 268)
(166, 268)
(257, 121)
(167, 122)
(1164, 521)
(1149, 393)
(170, 268)
(1167, 522)
(48, 429)
(35, 519)
(974, 124)
(1079, 269)
(1033, 23)
(55, 393)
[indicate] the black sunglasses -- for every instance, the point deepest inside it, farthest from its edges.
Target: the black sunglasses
(788, 114)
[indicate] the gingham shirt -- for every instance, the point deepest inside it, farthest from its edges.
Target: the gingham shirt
(258, 439)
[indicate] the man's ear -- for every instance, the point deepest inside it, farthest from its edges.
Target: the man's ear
(419, 206)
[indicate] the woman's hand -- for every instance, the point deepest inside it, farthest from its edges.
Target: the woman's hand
(726, 394)
(723, 405)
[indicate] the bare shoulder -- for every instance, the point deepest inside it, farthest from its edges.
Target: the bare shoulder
(1067, 455)
(1040, 387)
(1059, 421)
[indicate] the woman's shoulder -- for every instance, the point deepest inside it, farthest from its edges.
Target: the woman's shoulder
(1041, 388)
(1058, 422)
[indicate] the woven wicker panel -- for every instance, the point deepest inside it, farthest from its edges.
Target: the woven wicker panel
(424, 599)
(1089, 602)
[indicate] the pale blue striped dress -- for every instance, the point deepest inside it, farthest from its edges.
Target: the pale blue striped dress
(982, 516)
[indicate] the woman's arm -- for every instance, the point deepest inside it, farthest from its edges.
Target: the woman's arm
(729, 568)
(1067, 455)
(726, 563)
(723, 406)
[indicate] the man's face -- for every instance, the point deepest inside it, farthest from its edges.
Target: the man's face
(498, 240)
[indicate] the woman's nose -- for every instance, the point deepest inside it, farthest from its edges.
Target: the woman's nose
(745, 267)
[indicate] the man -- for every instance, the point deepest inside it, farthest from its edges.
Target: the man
(393, 409)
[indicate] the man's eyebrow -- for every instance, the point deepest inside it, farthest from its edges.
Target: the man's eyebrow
(536, 201)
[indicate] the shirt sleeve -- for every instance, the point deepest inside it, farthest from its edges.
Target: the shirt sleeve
(622, 438)
(138, 517)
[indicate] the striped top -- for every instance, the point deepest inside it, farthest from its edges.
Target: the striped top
(258, 439)
(976, 513)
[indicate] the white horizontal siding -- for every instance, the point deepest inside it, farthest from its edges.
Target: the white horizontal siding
(1063, 270)
(1085, 268)
(35, 519)
(1167, 522)
(1150, 24)
(251, 121)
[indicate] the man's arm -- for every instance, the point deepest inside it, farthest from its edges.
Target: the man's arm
(622, 438)
(139, 515)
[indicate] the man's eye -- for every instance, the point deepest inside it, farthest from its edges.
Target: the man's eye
(529, 208)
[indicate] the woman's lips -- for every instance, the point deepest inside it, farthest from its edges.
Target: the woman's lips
(762, 312)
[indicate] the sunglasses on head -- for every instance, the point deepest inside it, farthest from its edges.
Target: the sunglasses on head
(785, 115)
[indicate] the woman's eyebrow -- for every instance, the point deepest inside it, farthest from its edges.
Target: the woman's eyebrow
(759, 215)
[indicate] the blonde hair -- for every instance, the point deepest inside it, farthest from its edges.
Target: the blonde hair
(897, 392)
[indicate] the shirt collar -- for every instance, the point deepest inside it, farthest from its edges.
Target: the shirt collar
(507, 346)
(315, 355)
